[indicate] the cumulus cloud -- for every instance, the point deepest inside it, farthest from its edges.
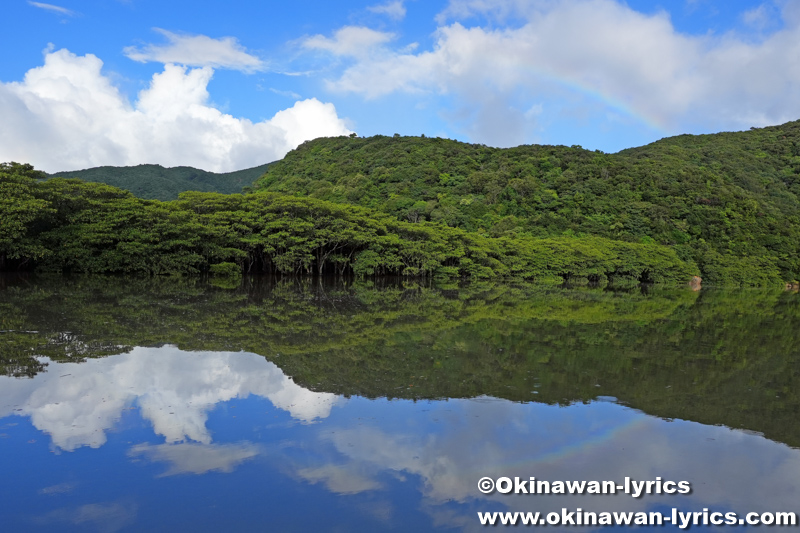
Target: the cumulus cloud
(68, 115)
(395, 10)
(622, 59)
(197, 51)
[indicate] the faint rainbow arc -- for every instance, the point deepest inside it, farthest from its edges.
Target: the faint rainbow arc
(586, 89)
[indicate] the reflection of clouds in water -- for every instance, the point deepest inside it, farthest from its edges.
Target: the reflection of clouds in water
(445, 446)
(103, 517)
(379, 510)
(728, 469)
(339, 479)
(76, 403)
(61, 488)
(193, 458)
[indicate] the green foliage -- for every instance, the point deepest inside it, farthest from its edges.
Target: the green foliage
(158, 183)
(74, 226)
(226, 270)
(730, 202)
(226, 275)
(20, 209)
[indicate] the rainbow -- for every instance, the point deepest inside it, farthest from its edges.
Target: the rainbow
(652, 122)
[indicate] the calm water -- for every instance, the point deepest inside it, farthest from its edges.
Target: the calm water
(175, 405)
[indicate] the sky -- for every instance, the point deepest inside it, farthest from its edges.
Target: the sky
(226, 86)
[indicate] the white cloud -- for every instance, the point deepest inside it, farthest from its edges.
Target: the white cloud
(599, 49)
(790, 12)
(194, 458)
(197, 51)
(757, 17)
(76, 403)
(356, 41)
(52, 8)
(68, 115)
(395, 10)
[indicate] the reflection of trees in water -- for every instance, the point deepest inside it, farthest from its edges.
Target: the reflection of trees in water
(715, 357)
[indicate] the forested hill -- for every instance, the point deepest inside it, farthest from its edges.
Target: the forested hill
(158, 183)
(723, 206)
(727, 201)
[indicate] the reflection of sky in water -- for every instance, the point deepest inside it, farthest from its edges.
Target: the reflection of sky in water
(75, 403)
(168, 440)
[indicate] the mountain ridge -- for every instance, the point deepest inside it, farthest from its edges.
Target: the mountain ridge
(157, 182)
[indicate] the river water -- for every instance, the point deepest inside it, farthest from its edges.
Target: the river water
(176, 405)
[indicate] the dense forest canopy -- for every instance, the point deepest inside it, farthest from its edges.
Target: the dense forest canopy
(728, 201)
(67, 225)
(724, 206)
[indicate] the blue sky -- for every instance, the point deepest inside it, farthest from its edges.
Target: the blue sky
(224, 86)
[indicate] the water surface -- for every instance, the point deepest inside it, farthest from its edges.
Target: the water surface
(134, 404)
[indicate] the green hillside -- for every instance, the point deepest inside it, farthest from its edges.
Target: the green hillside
(159, 183)
(728, 201)
(723, 206)
(68, 225)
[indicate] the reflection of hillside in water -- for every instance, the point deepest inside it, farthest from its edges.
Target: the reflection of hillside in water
(726, 358)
